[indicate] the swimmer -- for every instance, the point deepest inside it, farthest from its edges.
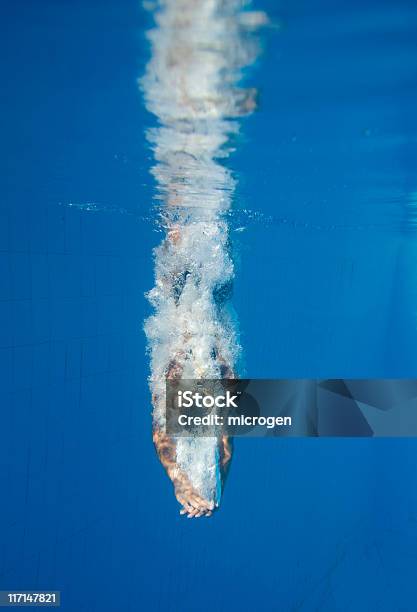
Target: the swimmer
(192, 85)
(172, 284)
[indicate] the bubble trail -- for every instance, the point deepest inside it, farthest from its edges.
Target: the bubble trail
(199, 50)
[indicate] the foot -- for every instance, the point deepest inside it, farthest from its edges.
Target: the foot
(193, 504)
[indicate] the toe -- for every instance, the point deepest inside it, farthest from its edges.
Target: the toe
(186, 506)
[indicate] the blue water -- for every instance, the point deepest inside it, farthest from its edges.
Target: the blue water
(326, 286)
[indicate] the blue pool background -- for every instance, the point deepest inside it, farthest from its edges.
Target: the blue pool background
(326, 287)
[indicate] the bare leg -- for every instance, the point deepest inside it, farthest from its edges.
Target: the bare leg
(192, 502)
